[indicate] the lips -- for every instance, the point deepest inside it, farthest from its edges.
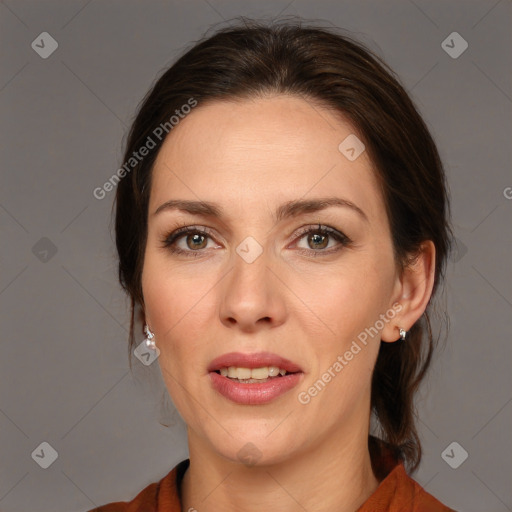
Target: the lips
(254, 393)
(257, 360)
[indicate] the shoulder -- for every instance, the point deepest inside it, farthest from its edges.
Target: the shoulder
(156, 497)
(421, 500)
(399, 492)
(145, 500)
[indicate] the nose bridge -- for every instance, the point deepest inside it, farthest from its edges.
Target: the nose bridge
(250, 294)
(250, 275)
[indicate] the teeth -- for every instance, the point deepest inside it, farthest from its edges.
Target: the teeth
(259, 373)
(234, 372)
(273, 371)
(242, 373)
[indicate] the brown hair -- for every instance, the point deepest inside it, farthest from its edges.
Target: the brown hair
(250, 59)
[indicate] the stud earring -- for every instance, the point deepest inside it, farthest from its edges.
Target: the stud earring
(403, 333)
(150, 338)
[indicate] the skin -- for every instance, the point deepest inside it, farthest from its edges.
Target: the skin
(250, 156)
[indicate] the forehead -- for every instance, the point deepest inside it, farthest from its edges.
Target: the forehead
(276, 148)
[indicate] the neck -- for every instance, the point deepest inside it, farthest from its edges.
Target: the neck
(334, 475)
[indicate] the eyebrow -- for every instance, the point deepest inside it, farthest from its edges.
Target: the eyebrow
(289, 209)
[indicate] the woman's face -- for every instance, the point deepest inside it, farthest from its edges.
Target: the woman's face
(250, 279)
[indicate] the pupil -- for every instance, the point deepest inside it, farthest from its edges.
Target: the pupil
(195, 238)
(316, 238)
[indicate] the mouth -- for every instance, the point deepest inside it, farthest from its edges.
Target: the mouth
(253, 379)
(253, 375)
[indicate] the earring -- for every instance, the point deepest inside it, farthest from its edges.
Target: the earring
(403, 333)
(150, 338)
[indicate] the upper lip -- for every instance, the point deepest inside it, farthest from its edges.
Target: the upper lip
(256, 360)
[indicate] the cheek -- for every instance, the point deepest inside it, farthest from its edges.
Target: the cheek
(179, 309)
(176, 310)
(346, 300)
(343, 357)
(171, 295)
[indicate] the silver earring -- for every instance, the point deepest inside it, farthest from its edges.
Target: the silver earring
(403, 333)
(150, 338)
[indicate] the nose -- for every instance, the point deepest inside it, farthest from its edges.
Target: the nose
(253, 296)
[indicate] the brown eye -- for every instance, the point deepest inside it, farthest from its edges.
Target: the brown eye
(318, 241)
(194, 241)
(319, 238)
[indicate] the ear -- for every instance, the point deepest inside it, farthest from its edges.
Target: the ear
(412, 292)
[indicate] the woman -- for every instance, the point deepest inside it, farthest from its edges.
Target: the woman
(282, 226)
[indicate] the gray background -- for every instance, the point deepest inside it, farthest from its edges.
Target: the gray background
(64, 369)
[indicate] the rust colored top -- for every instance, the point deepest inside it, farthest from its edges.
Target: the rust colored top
(397, 492)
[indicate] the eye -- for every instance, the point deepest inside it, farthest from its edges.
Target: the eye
(193, 239)
(318, 239)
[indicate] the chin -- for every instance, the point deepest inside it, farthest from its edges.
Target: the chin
(256, 449)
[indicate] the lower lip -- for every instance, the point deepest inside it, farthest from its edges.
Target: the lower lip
(254, 394)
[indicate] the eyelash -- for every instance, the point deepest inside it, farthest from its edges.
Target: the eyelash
(170, 240)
